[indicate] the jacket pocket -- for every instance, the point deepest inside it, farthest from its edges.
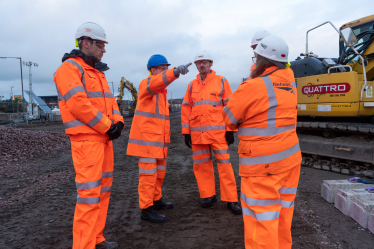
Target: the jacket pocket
(244, 147)
(151, 127)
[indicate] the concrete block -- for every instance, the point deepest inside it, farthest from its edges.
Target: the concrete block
(326, 167)
(329, 188)
(347, 172)
(371, 222)
(317, 166)
(361, 208)
(344, 198)
(369, 173)
(336, 169)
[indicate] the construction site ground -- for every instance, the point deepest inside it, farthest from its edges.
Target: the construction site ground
(38, 195)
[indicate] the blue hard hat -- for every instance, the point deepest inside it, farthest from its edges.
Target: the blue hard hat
(156, 60)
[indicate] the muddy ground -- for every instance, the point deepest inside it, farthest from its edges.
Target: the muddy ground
(37, 199)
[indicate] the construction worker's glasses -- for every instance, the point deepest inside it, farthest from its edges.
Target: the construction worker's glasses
(162, 67)
(202, 62)
(99, 44)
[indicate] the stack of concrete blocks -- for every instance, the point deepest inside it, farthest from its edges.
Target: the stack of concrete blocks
(352, 200)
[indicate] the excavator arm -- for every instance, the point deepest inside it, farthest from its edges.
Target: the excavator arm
(134, 93)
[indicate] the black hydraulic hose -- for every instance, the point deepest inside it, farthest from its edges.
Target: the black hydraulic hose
(347, 55)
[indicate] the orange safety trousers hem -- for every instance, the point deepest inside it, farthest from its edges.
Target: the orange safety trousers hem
(151, 176)
(268, 205)
(204, 172)
(93, 164)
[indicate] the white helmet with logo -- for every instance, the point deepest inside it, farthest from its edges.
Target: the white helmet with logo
(203, 55)
(91, 30)
(273, 48)
(259, 35)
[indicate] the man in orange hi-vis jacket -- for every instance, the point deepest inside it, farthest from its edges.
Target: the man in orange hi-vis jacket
(203, 127)
(150, 135)
(265, 108)
(92, 119)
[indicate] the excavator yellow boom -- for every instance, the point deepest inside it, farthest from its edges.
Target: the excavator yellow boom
(134, 93)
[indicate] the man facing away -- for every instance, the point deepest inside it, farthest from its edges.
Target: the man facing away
(150, 135)
(92, 120)
(204, 128)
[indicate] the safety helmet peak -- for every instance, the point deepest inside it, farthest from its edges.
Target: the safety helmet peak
(157, 59)
(203, 55)
(273, 48)
(258, 36)
(91, 30)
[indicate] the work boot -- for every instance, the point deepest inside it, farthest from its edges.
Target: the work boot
(151, 215)
(160, 204)
(208, 202)
(107, 245)
(234, 207)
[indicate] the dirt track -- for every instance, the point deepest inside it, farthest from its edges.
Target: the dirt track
(43, 195)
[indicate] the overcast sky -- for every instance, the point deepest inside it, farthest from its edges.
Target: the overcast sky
(42, 31)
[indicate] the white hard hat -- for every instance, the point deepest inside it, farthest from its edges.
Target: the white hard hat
(203, 55)
(259, 35)
(92, 30)
(274, 48)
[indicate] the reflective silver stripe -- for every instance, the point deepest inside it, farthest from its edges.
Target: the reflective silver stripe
(96, 119)
(261, 216)
(186, 103)
(161, 167)
(80, 70)
(107, 174)
(199, 152)
(223, 161)
(157, 108)
(209, 128)
(95, 94)
(207, 159)
(146, 143)
(116, 112)
(208, 102)
(165, 79)
(293, 84)
(269, 158)
(229, 114)
(88, 185)
(73, 123)
(106, 189)
(151, 115)
(285, 190)
(60, 97)
(147, 171)
(258, 202)
(264, 132)
(149, 89)
(221, 92)
(272, 101)
(220, 152)
(190, 89)
(108, 95)
(226, 100)
(287, 204)
(93, 200)
(185, 125)
(73, 91)
(147, 160)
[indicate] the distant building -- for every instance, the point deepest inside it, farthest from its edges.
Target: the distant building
(51, 100)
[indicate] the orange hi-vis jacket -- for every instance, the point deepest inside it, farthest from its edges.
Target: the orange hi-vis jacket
(87, 106)
(150, 130)
(202, 109)
(266, 110)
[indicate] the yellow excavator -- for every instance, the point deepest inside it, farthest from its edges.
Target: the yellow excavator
(336, 102)
(134, 93)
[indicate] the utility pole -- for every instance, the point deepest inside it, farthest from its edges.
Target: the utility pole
(11, 90)
(30, 64)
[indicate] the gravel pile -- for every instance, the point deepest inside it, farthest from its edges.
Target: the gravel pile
(17, 144)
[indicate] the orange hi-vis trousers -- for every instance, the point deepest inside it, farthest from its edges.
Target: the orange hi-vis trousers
(204, 172)
(93, 164)
(151, 176)
(268, 205)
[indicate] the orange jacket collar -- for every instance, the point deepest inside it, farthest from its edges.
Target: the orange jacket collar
(208, 77)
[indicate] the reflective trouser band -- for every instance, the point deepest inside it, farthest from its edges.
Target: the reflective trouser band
(88, 185)
(285, 190)
(264, 132)
(107, 174)
(220, 152)
(73, 123)
(186, 125)
(147, 160)
(261, 216)
(229, 114)
(149, 89)
(72, 91)
(147, 143)
(287, 204)
(161, 167)
(151, 115)
(269, 158)
(208, 102)
(106, 189)
(186, 103)
(223, 161)
(147, 171)
(258, 202)
(116, 112)
(208, 128)
(199, 152)
(204, 160)
(93, 200)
